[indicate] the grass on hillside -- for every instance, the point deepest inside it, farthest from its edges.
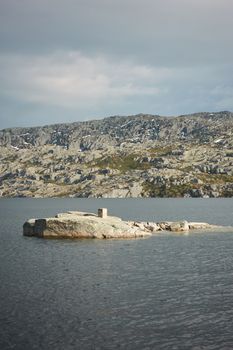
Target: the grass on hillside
(123, 164)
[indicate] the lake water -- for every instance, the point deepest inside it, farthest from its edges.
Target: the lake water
(164, 292)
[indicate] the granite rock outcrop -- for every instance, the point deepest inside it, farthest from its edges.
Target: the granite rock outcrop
(134, 156)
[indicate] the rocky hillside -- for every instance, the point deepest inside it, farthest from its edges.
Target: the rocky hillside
(134, 156)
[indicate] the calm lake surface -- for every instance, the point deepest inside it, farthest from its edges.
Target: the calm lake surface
(164, 292)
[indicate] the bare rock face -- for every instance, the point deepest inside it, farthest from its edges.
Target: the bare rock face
(81, 225)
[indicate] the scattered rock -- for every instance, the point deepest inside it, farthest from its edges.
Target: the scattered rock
(153, 227)
(179, 226)
(200, 226)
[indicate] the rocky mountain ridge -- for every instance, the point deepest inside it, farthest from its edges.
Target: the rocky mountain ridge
(134, 156)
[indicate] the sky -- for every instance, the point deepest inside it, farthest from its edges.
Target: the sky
(74, 60)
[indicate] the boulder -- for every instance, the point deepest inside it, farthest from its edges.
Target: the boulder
(179, 226)
(164, 225)
(146, 226)
(28, 228)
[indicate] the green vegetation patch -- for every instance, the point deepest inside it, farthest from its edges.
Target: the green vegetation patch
(121, 163)
(215, 179)
(160, 151)
(155, 190)
(11, 158)
(227, 193)
(68, 190)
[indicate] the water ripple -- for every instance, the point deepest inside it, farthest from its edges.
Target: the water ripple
(173, 292)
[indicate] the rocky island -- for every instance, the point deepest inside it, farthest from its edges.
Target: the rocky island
(74, 224)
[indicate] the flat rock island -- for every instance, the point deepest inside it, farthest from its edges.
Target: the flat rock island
(75, 224)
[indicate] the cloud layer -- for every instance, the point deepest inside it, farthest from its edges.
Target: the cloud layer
(71, 60)
(70, 79)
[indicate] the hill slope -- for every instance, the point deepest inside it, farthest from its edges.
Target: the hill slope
(142, 155)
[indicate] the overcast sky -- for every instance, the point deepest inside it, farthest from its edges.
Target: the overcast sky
(70, 60)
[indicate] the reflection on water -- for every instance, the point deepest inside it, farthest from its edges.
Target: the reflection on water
(165, 292)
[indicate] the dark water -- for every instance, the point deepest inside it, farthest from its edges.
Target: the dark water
(165, 292)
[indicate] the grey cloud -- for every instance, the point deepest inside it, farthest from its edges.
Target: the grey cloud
(164, 31)
(182, 49)
(69, 86)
